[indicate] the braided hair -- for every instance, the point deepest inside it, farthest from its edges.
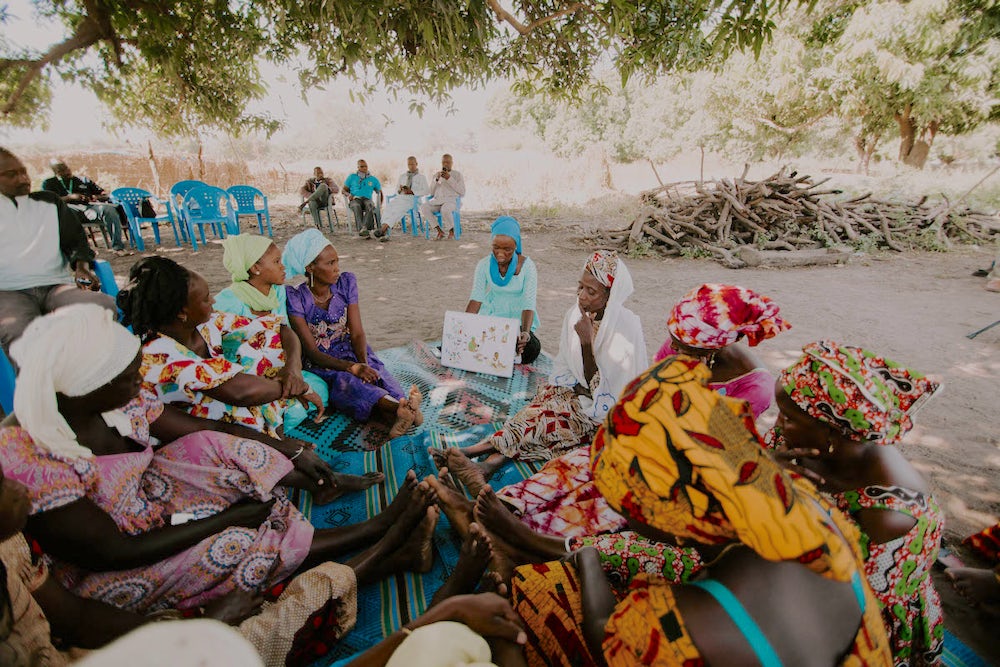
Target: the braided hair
(156, 294)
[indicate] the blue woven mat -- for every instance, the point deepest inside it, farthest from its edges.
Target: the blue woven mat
(957, 654)
(460, 409)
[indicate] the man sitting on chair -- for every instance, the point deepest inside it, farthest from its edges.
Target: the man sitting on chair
(447, 187)
(412, 184)
(316, 193)
(43, 253)
(83, 195)
(359, 188)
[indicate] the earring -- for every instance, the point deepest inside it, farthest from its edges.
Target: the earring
(310, 280)
(829, 448)
(182, 317)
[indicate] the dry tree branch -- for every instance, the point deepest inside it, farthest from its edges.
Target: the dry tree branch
(523, 29)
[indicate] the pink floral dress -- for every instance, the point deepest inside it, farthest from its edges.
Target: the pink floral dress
(237, 344)
(202, 473)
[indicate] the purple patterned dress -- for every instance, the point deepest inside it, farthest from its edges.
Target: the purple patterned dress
(348, 394)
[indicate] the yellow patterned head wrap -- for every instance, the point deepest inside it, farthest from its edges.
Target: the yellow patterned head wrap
(681, 458)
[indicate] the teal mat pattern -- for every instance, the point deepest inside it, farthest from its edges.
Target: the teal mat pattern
(460, 409)
(957, 654)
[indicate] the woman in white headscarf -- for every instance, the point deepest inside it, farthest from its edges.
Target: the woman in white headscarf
(601, 349)
(140, 507)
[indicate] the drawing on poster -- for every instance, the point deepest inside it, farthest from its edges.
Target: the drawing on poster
(479, 343)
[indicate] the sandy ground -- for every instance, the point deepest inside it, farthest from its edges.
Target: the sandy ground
(915, 308)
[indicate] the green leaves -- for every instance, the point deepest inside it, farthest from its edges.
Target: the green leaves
(183, 66)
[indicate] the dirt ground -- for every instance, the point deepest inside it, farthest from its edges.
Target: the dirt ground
(914, 308)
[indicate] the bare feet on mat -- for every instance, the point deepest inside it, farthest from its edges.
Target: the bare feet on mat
(518, 541)
(439, 456)
(414, 398)
(419, 549)
(467, 471)
(344, 484)
(402, 530)
(977, 585)
(452, 502)
(473, 559)
(400, 502)
(404, 420)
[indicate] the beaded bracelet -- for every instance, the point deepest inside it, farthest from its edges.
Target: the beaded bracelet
(296, 454)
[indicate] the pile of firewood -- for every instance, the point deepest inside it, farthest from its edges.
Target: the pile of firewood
(787, 211)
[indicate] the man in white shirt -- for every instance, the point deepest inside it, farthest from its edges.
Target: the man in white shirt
(447, 186)
(45, 261)
(412, 185)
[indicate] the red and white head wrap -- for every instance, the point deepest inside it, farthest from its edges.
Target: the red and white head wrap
(603, 266)
(713, 316)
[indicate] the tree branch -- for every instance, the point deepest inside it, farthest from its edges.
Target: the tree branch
(523, 29)
(87, 34)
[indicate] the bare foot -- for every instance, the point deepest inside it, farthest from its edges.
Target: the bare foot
(440, 456)
(402, 500)
(402, 530)
(979, 586)
(452, 502)
(417, 553)
(474, 556)
(467, 471)
(414, 399)
(404, 420)
(344, 484)
(519, 542)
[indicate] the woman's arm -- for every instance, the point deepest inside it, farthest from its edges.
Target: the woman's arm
(174, 423)
(290, 376)
(245, 390)
(359, 342)
(81, 533)
(473, 306)
(311, 350)
(598, 600)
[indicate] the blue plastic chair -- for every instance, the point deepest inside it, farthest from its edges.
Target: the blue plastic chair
(178, 191)
(131, 199)
(208, 205)
(416, 220)
(456, 218)
(246, 204)
(8, 379)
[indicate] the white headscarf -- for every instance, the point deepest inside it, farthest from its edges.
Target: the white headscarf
(442, 644)
(619, 348)
(73, 351)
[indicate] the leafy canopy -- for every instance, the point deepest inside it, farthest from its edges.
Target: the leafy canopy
(180, 66)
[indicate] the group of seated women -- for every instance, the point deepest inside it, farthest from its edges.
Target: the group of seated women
(152, 471)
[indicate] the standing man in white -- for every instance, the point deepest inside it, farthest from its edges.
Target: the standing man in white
(412, 184)
(447, 186)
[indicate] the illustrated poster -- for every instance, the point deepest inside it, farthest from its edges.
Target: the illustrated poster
(479, 343)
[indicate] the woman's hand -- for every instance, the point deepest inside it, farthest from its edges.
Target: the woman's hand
(292, 383)
(235, 607)
(365, 372)
(311, 397)
(247, 513)
(522, 340)
(585, 328)
(312, 466)
(487, 614)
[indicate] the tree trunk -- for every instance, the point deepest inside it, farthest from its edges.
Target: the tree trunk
(912, 151)
(864, 146)
(608, 181)
(154, 170)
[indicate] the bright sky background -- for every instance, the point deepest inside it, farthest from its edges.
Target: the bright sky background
(77, 118)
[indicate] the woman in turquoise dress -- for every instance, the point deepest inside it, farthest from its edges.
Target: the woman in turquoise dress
(505, 285)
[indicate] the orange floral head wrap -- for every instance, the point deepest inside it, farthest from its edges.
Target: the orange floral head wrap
(861, 394)
(677, 456)
(713, 316)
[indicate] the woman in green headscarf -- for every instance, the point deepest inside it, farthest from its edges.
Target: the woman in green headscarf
(258, 292)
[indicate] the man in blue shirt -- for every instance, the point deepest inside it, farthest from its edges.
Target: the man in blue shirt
(359, 188)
